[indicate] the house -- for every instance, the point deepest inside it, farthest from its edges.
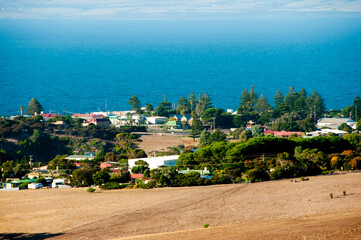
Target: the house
(89, 156)
(156, 162)
(324, 132)
(59, 183)
(334, 123)
(174, 124)
(43, 173)
(100, 122)
(282, 133)
(156, 120)
(47, 116)
(113, 166)
(176, 116)
(204, 173)
(136, 175)
(35, 185)
(15, 185)
(85, 117)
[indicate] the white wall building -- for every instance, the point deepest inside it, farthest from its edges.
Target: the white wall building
(324, 132)
(156, 162)
(157, 120)
(334, 123)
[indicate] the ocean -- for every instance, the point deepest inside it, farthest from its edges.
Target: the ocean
(83, 66)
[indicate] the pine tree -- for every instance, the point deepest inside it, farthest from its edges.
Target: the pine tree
(291, 98)
(196, 126)
(34, 107)
(245, 104)
(316, 105)
(262, 104)
(278, 99)
(253, 96)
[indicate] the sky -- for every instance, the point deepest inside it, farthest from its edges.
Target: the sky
(175, 9)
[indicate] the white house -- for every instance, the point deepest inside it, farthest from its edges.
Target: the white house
(157, 120)
(324, 132)
(89, 156)
(156, 162)
(334, 123)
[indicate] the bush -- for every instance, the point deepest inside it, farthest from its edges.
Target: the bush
(257, 175)
(24, 185)
(91, 189)
(206, 225)
(331, 195)
(344, 192)
(113, 185)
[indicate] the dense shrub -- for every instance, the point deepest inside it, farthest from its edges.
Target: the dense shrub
(113, 185)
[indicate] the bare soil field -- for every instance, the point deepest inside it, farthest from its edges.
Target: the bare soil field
(282, 209)
(160, 141)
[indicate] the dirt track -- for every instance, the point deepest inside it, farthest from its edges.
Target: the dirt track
(267, 210)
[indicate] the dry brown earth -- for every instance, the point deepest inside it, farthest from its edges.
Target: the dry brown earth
(268, 210)
(160, 141)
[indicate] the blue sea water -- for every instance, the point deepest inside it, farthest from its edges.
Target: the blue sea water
(76, 66)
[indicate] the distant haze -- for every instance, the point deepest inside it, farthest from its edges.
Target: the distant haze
(175, 9)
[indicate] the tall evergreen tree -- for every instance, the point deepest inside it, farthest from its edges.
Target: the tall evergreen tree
(34, 107)
(246, 102)
(291, 98)
(262, 104)
(316, 105)
(253, 97)
(300, 105)
(196, 126)
(278, 99)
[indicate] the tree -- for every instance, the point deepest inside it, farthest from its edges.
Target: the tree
(196, 126)
(149, 107)
(81, 178)
(262, 104)
(101, 177)
(204, 102)
(167, 105)
(218, 136)
(301, 104)
(291, 98)
(253, 96)
(345, 127)
(183, 106)
(140, 167)
(278, 99)
(192, 101)
(246, 102)
(161, 111)
(134, 102)
(316, 104)
(34, 107)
